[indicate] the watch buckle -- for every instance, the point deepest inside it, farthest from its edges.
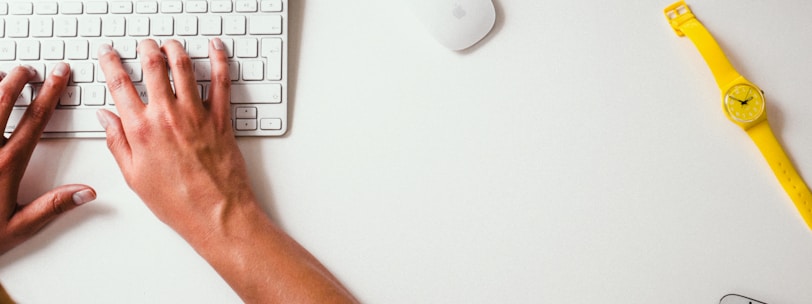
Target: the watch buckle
(677, 14)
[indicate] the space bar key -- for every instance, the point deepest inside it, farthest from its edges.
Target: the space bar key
(73, 120)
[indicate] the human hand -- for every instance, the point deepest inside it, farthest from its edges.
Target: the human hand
(178, 152)
(18, 223)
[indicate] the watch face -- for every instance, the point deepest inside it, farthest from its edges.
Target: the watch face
(744, 103)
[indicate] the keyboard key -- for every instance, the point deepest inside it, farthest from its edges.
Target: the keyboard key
(270, 6)
(126, 48)
(202, 71)
(121, 7)
(96, 7)
(270, 124)
(245, 112)
(3, 9)
(171, 7)
(94, 95)
(53, 50)
(21, 8)
(63, 120)
(246, 124)
(114, 26)
(234, 70)
(229, 44)
(138, 26)
(211, 26)
(256, 93)
(265, 25)
(82, 72)
(16, 27)
(186, 25)
(66, 27)
(133, 69)
(72, 8)
(8, 50)
(95, 44)
(219, 6)
(28, 50)
(196, 6)
(42, 27)
(272, 50)
(234, 25)
(246, 48)
(253, 70)
(70, 96)
(46, 8)
(198, 48)
(246, 6)
(162, 26)
(146, 7)
(39, 77)
(76, 49)
(25, 96)
(89, 26)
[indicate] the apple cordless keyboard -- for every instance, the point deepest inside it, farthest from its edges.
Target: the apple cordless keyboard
(42, 33)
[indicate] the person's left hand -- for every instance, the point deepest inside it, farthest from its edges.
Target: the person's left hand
(19, 222)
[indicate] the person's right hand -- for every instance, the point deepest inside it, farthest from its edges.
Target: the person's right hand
(177, 152)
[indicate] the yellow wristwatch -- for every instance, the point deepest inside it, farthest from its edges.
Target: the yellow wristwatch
(743, 103)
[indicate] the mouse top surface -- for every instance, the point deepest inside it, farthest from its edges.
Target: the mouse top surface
(456, 24)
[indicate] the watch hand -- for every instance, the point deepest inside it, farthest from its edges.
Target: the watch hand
(734, 98)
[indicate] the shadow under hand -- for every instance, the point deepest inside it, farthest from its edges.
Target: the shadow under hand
(56, 229)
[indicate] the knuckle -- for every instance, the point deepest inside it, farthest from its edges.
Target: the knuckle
(182, 62)
(7, 97)
(117, 81)
(223, 80)
(55, 205)
(153, 61)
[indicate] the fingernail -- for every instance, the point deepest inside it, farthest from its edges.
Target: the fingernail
(60, 69)
(102, 119)
(104, 49)
(218, 44)
(84, 196)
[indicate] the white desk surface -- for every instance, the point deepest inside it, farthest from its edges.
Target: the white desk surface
(579, 155)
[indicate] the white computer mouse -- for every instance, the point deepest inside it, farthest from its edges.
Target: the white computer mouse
(456, 24)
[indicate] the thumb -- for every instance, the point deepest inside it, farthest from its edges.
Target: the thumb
(116, 138)
(31, 218)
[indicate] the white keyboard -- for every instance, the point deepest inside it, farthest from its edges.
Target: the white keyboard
(42, 33)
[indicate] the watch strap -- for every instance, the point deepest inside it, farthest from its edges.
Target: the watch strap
(684, 23)
(781, 165)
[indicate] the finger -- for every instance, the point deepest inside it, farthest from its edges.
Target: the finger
(10, 88)
(33, 217)
(121, 88)
(26, 135)
(116, 139)
(156, 75)
(220, 88)
(180, 65)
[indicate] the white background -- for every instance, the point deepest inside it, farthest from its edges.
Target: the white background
(578, 155)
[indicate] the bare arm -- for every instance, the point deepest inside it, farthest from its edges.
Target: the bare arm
(179, 154)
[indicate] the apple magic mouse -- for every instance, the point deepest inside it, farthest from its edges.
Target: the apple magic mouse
(456, 24)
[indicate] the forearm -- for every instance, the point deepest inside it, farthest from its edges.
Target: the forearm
(263, 264)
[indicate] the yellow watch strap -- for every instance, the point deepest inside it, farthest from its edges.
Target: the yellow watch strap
(684, 23)
(792, 182)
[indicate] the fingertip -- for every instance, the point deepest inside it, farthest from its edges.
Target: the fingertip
(105, 49)
(61, 69)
